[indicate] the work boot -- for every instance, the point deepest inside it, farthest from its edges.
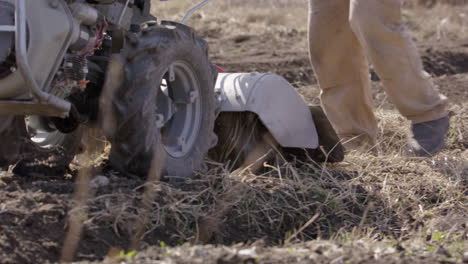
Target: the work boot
(428, 138)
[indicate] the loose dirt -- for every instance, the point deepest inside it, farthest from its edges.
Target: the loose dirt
(387, 209)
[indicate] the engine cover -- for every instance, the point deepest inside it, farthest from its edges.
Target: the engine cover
(7, 17)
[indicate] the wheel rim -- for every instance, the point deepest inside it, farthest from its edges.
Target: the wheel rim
(179, 109)
(44, 137)
(48, 139)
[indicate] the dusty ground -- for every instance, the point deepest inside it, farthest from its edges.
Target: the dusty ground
(386, 209)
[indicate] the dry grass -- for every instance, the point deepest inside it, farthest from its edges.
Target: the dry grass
(369, 209)
(381, 209)
(440, 23)
(387, 209)
(384, 207)
(238, 16)
(444, 20)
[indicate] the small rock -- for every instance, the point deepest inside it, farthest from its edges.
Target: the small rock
(442, 251)
(248, 252)
(99, 181)
(242, 38)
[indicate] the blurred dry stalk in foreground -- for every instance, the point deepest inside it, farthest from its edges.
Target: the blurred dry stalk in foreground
(78, 213)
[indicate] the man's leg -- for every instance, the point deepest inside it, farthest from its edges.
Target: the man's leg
(378, 26)
(342, 71)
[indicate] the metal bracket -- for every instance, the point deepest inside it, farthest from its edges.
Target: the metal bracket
(20, 30)
(28, 107)
(122, 13)
(6, 28)
(192, 10)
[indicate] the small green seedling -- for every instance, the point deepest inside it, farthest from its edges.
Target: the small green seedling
(127, 255)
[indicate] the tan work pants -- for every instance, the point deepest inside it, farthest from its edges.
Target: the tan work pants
(342, 34)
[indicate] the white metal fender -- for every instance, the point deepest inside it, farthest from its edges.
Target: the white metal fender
(279, 106)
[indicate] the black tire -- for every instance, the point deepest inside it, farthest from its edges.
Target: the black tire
(136, 136)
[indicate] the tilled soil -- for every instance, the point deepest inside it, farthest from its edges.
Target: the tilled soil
(33, 211)
(268, 53)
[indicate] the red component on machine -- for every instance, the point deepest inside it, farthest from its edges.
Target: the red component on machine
(220, 70)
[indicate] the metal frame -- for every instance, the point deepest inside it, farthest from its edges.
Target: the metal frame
(5, 28)
(61, 106)
(122, 13)
(192, 10)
